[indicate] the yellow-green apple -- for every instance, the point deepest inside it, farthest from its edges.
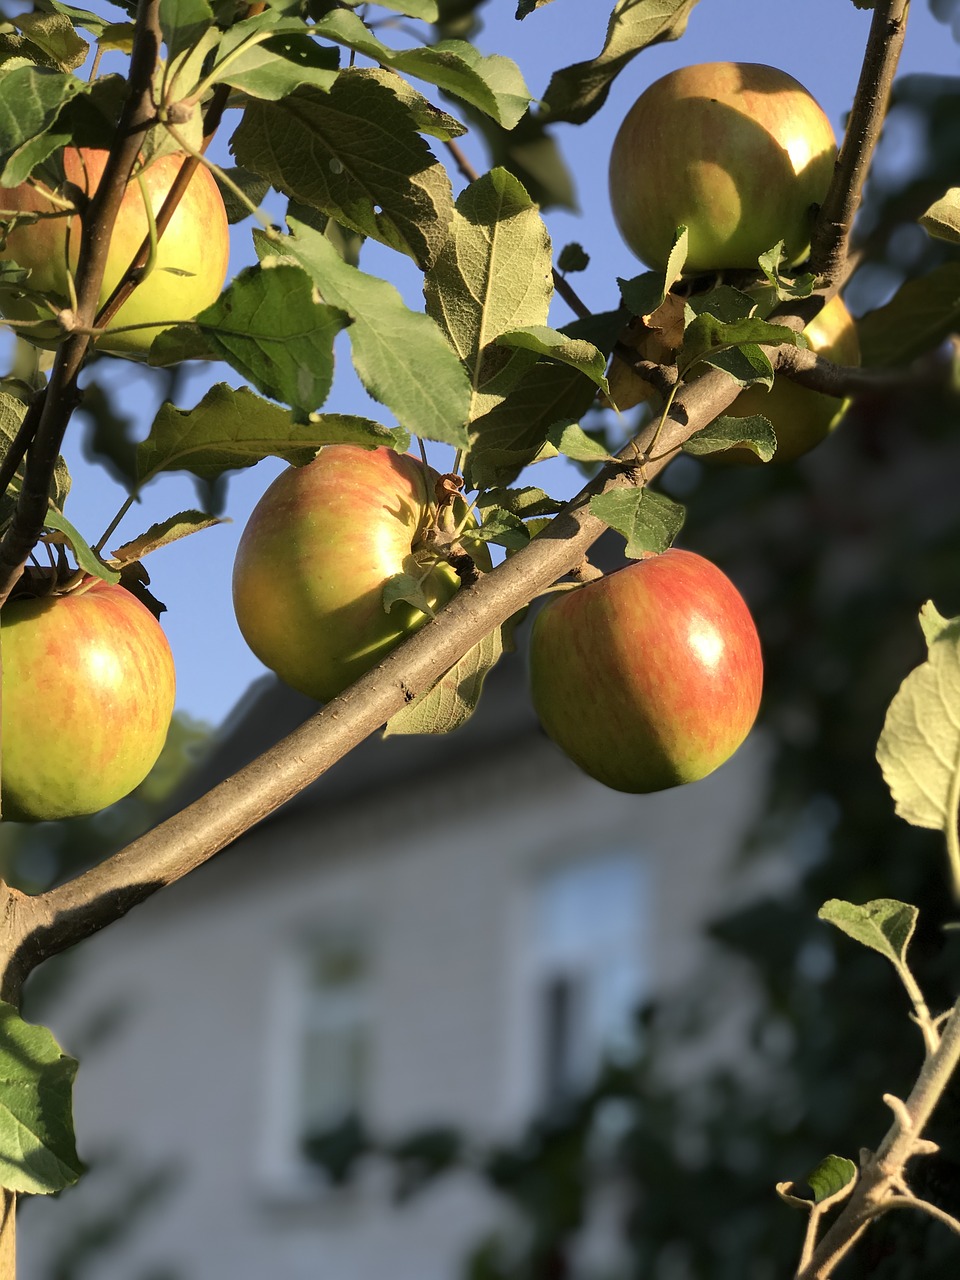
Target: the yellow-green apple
(649, 676)
(801, 418)
(191, 258)
(88, 693)
(314, 558)
(737, 152)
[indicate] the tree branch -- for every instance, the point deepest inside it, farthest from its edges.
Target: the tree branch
(831, 232)
(881, 1182)
(47, 418)
(41, 926)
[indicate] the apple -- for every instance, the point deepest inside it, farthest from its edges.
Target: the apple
(88, 692)
(649, 676)
(191, 259)
(737, 152)
(801, 418)
(315, 555)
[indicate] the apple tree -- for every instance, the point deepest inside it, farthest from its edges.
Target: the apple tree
(331, 114)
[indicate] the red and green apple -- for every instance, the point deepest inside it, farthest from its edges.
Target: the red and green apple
(88, 694)
(191, 256)
(737, 152)
(649, 676)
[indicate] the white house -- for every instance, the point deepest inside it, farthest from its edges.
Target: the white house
(439, 930)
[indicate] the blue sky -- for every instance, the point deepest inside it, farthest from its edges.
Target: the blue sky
(193, 578)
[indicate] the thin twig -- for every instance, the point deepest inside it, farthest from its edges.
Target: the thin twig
(881, 1182)
(832, 230)
(47, 418)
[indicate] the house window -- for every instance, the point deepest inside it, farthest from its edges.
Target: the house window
(319, 1059)
(586, 972)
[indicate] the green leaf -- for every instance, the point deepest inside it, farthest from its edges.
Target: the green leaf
(31, 98)
(404, 588)
(942, 219)
(919, 748)
(920, 315)
(182, 23)
(273, 67)
(269, 327)
(643, 294)
(493, 84)
(730, 432)
(676, 260)
(355, 154)
(453, 700)
(577, 92)
(526, 502)
(544, 341)
(512, 434)
(38, 1153)
(251, 184)
(172, 529)
(79, 17)
(770, 264)
(12, 413)
(648, 521)
(86, 557)
(572, 441)
(501, 527)
(426, 10)
(723, 302)
(883, 925)
(400, 356)
(54, 35)
(231, 429)
(707, 338)
(492, 275)
(832, 1176)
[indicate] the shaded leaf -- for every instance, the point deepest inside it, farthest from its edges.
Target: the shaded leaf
(572, 441)
(883, 925)
(512, 434)
(252, 185)
(501, 527)
(648, 521)
(453, 699)
(730, 432)
(572, 257)
(525, 502)
(544, 341)
(268, 326)
(163, 533)
(38, 1153)
(920, 315)
(577, 92)
(356, 154)
(183, 22)
(54, 35)
(400, 356)
(231, 429)
(31, 98)
(919, 748)
(12, 413)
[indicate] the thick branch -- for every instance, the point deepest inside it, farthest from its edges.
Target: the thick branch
(832, 231)
(47, 417)
(882, 1178)
(51, 922)
(803, 366)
